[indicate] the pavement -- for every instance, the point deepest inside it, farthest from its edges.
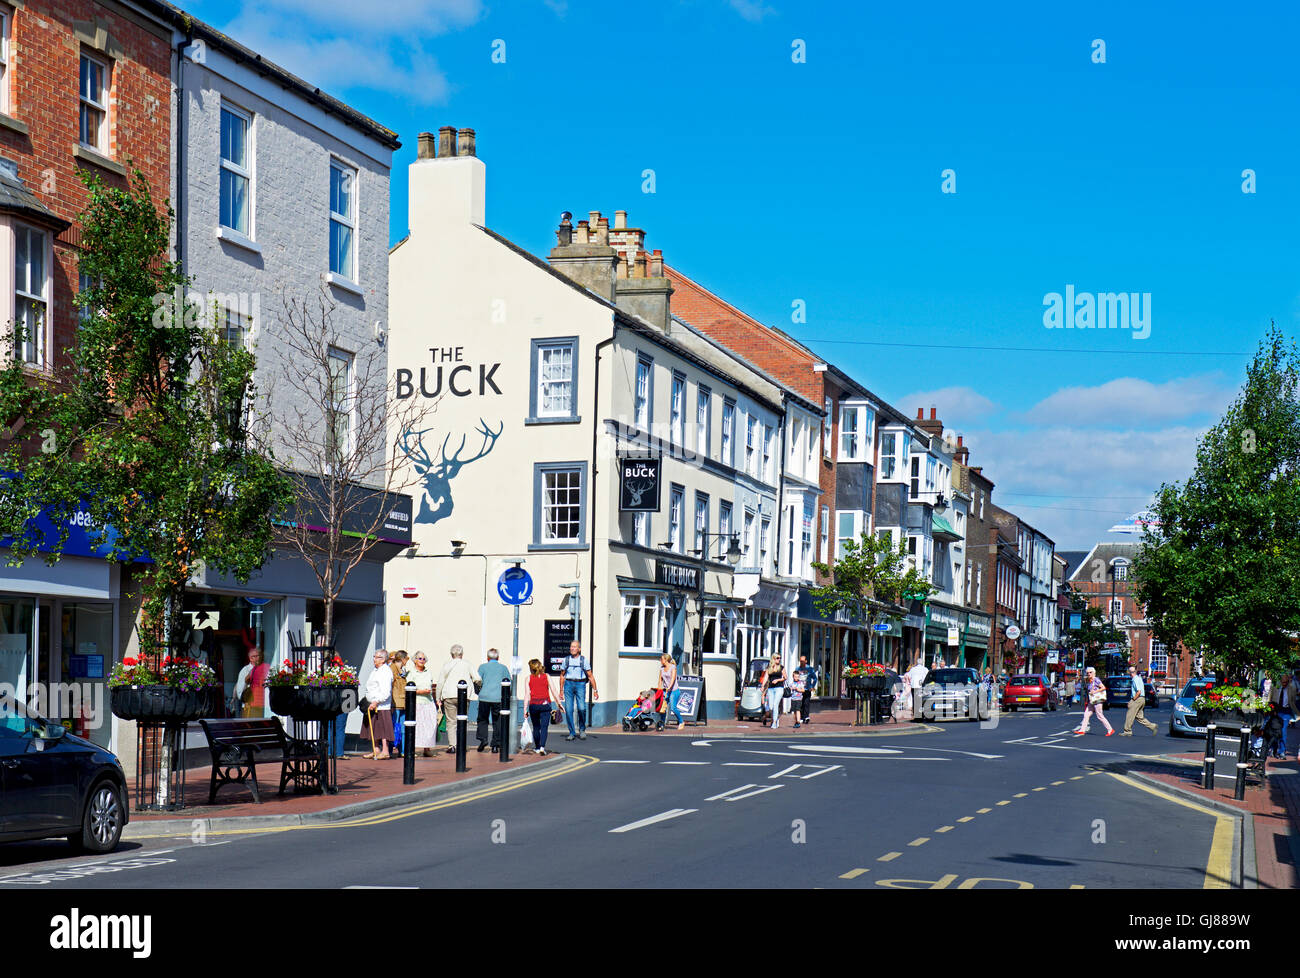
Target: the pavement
(822, 723)
(1271, 811)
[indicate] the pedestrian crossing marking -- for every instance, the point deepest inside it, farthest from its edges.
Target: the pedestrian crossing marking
(853, 874)
(888, 856)
(943, 828)
(920, 842)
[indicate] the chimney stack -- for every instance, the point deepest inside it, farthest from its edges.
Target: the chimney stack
(564, 235)
(446, 188)
(583, 254)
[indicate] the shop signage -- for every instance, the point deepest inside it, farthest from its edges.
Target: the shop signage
(1013, 632)
(979, 625)
(807, 610)
(691, 702)
(684, 577)
(410, 591)
(361, 508)
(1053, 658)
(461, 379)
(556, 635)
(639, 484)
(945, 616)
(954, 635)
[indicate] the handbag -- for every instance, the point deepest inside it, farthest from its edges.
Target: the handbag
(1098, 697)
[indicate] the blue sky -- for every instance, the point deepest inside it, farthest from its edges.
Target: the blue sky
(821, 181)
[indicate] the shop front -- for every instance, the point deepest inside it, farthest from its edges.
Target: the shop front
(830, 640)
(943, 627)
(975, 640)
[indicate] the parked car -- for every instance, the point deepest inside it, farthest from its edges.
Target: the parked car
(55, 784)
(1119, 690)
(1028, 690)
(953, 693)
(1182, 718)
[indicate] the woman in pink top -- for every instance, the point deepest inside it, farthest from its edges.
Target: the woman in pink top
(1091, 687)
(668, 683)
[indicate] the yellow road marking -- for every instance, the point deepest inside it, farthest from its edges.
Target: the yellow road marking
(853, 874)
(1038, 789)
(416, 809)
(943, 828)
(1058, 782)
(1077, 777)
(983, 811)
(1091, 773)
(1218, 868)
(1004, 803)
(888, 856)
(919, 842)
(1076, 886)
(1021, 795)
(966, 818)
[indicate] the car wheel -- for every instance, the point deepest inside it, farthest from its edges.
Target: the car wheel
(103, 820)
(1010, 709)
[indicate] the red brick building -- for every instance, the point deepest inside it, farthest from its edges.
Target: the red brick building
(85, 87)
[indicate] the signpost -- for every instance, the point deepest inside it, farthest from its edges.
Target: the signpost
(881, 626)
(515, 585)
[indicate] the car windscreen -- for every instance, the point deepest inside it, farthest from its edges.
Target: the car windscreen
(950, 676)
(1026, 681)
(1195, 686)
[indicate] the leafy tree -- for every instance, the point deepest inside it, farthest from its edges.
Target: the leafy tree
(143, 424)
(870, 580)
(1095, 632)
(1221, 570)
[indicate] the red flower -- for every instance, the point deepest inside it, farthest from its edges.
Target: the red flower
(128, 662)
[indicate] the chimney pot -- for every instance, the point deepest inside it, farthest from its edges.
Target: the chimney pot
(583, 234)
(657, 264)
(564, 235)
(931, 414)
(593, 218)
(602, 232)
(920, 414)
(466, 142)
(446, 141)
(426, 146)
(620, 219)
(959, 441)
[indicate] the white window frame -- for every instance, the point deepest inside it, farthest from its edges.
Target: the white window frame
(88, 103)
(677, 409)
(1159, 658)
(643, 393)
(6, 25)
(751, 443)
(747, 530)
(769, 442)
(828, 423)
(810, 458)
(727, 446)
(544, 525)
(853, 517)
(24, 294)
(346, 407)
(824, 551)
(676, 515)
(651, 609)
(703, 420)
(702, 523)
(725, 520)
(242, 170)
(640, 528)
(348, 220)
(540, 349)
(808, 516)
(764, 542)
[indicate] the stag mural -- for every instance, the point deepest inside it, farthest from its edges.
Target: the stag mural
(437, 472)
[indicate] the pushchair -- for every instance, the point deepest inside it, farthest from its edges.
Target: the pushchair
(644, 713)
(751, 706)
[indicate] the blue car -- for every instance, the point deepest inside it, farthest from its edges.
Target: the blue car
(1182, 719)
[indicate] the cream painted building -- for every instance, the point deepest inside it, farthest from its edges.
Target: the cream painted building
(547, 377)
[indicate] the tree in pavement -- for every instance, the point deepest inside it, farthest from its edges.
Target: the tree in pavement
(336, 432)
(143, 424)
(870, 579)
(1095, 632)
(1220, 570)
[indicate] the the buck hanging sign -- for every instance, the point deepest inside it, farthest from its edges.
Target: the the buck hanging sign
(639, 485)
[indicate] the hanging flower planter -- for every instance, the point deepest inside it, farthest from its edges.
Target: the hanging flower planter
(312, 702)
(164, 704)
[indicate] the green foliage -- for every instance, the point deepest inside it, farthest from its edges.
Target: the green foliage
(149, 416)
(1221, 573)
(870, 580)
(1095, 631)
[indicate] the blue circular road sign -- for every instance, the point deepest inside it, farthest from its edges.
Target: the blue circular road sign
(515, 586)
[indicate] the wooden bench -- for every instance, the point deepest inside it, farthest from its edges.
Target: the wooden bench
(238, 744)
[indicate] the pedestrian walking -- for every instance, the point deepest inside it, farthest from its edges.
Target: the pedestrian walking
(491, 674)
(426, 708)
(379, 706)
(397, 663)
(773, 689)
(1283, 700)
(671, 692)
(577, 676)
(540, 699)
(809, 684)
(915, 680)
(448, 686)
(1136, 705)
(1095, 691)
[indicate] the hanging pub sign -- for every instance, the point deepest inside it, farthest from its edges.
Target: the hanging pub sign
(681, 576)
(639, 484)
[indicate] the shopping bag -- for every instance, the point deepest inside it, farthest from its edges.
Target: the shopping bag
(526, 733)
(442, 724)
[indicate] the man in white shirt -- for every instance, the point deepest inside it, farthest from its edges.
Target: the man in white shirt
(915, 679)
(453, 671)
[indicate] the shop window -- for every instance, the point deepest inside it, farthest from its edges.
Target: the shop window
(645, 622)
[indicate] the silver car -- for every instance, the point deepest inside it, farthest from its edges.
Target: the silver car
(953, 693)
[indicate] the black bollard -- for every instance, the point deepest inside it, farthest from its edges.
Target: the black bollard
(1207, 772)
(1243, 762)
(408, 737)
(503, 728)
(462, 724)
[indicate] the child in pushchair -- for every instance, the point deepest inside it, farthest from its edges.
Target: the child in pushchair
(644, 714)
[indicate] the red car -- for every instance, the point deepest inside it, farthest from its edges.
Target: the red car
(1028, 691)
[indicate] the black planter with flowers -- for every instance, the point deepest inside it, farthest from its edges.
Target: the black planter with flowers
(865, 683)
(312, 702)
(164, 704)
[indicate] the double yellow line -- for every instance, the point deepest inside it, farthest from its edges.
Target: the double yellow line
(1218, 868)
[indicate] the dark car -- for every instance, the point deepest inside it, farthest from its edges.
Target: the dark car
(55, 784)
(953, 693)
(1119, 690)
(1030, 690)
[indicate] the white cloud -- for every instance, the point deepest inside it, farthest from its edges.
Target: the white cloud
(751, 10)
(1082, 481)
(1130, 401)
(352, 46)
(954, 405)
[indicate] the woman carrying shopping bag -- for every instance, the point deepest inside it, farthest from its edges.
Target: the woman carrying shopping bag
(540, 703)
(1095, 690)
